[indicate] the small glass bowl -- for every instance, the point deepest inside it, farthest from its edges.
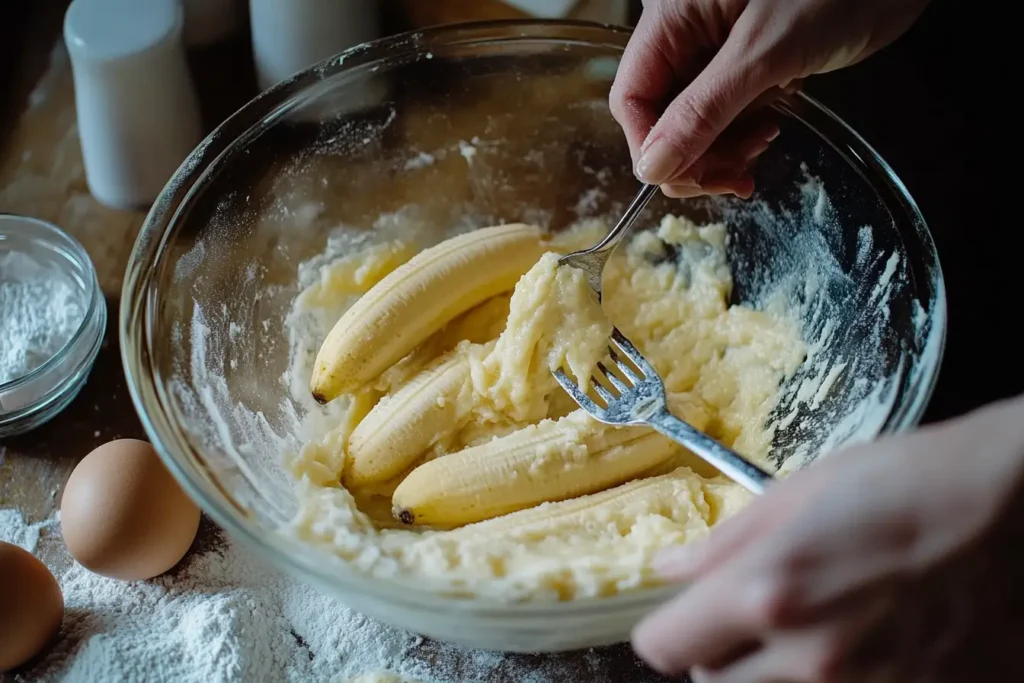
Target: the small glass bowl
(34, 398)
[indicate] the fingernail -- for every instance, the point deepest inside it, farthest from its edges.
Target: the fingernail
(658, 162)
(774, 134)
(699, 675)
(685, 184)
(681, 190)
(679, 561)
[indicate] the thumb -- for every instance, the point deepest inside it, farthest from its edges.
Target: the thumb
(733, 80)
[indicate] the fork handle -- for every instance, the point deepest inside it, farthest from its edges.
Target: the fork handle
(634, 209)
(730, 463)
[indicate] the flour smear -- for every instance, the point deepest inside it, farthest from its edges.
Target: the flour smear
(224, 615)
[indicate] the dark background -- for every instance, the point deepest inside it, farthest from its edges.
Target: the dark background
(933, 105)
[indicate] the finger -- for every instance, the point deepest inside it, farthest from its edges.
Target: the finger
(729, 536)
(732, 146)
(643, 78)
(770, 96)
(712, 619)
(757, 144)
(740, 185)
(659, 55)
(731, 82)
(677, 191)
(725, 164)
(821, 568)
(812, 655)
(723, 169)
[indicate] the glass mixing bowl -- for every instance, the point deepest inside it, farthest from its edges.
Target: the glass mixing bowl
(460, 127)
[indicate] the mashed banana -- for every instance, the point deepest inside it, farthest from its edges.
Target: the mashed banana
(466, 467)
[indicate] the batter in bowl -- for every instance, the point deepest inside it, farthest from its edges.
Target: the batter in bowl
(462, 464)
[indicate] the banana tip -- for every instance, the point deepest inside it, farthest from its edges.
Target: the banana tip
(320, 398)
(404, 516)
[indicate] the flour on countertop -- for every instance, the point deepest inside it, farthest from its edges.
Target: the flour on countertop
(222, 616)
(40, 310)
(14, 530)
(226, 615)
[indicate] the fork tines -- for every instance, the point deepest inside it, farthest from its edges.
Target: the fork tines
(638, 369)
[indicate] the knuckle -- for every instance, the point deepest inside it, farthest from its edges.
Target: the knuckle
(700, 675)
(826, 665)
(801, 560)
(772, 602)
(767, 45)
(784, 593)
(698, 114)
(902, 531)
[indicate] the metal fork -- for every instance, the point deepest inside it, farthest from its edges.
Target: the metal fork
(591, 261)
(641, 398)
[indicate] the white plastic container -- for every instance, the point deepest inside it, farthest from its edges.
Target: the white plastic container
(288, 36)
(602, 11)
(138, 116)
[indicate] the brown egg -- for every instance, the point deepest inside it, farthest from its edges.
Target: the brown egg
(31, 606)
(123, 515)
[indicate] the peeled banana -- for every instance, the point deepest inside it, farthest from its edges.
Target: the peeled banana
(401, 427)
(538, 464)
(417, 299)
(549, 461)
(677, 493)
(478, 325)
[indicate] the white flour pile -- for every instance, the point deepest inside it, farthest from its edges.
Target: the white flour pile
(225, 615)
(39, 311)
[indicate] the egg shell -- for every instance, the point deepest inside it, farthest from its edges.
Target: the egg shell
(123, 515)
(31, 606)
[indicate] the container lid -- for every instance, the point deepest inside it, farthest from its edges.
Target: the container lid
(106, 30)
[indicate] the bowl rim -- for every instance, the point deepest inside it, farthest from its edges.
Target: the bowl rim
(95, 315)
(152, 239)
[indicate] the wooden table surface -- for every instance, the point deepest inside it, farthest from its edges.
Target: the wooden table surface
(41, 175)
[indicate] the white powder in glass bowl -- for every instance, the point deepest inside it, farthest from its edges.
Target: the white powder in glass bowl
(40, 310)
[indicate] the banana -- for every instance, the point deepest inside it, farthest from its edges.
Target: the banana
(674, 494)
(479, 325)
(401, 427)
(417, 299)
(549, 461)
(540, 463)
